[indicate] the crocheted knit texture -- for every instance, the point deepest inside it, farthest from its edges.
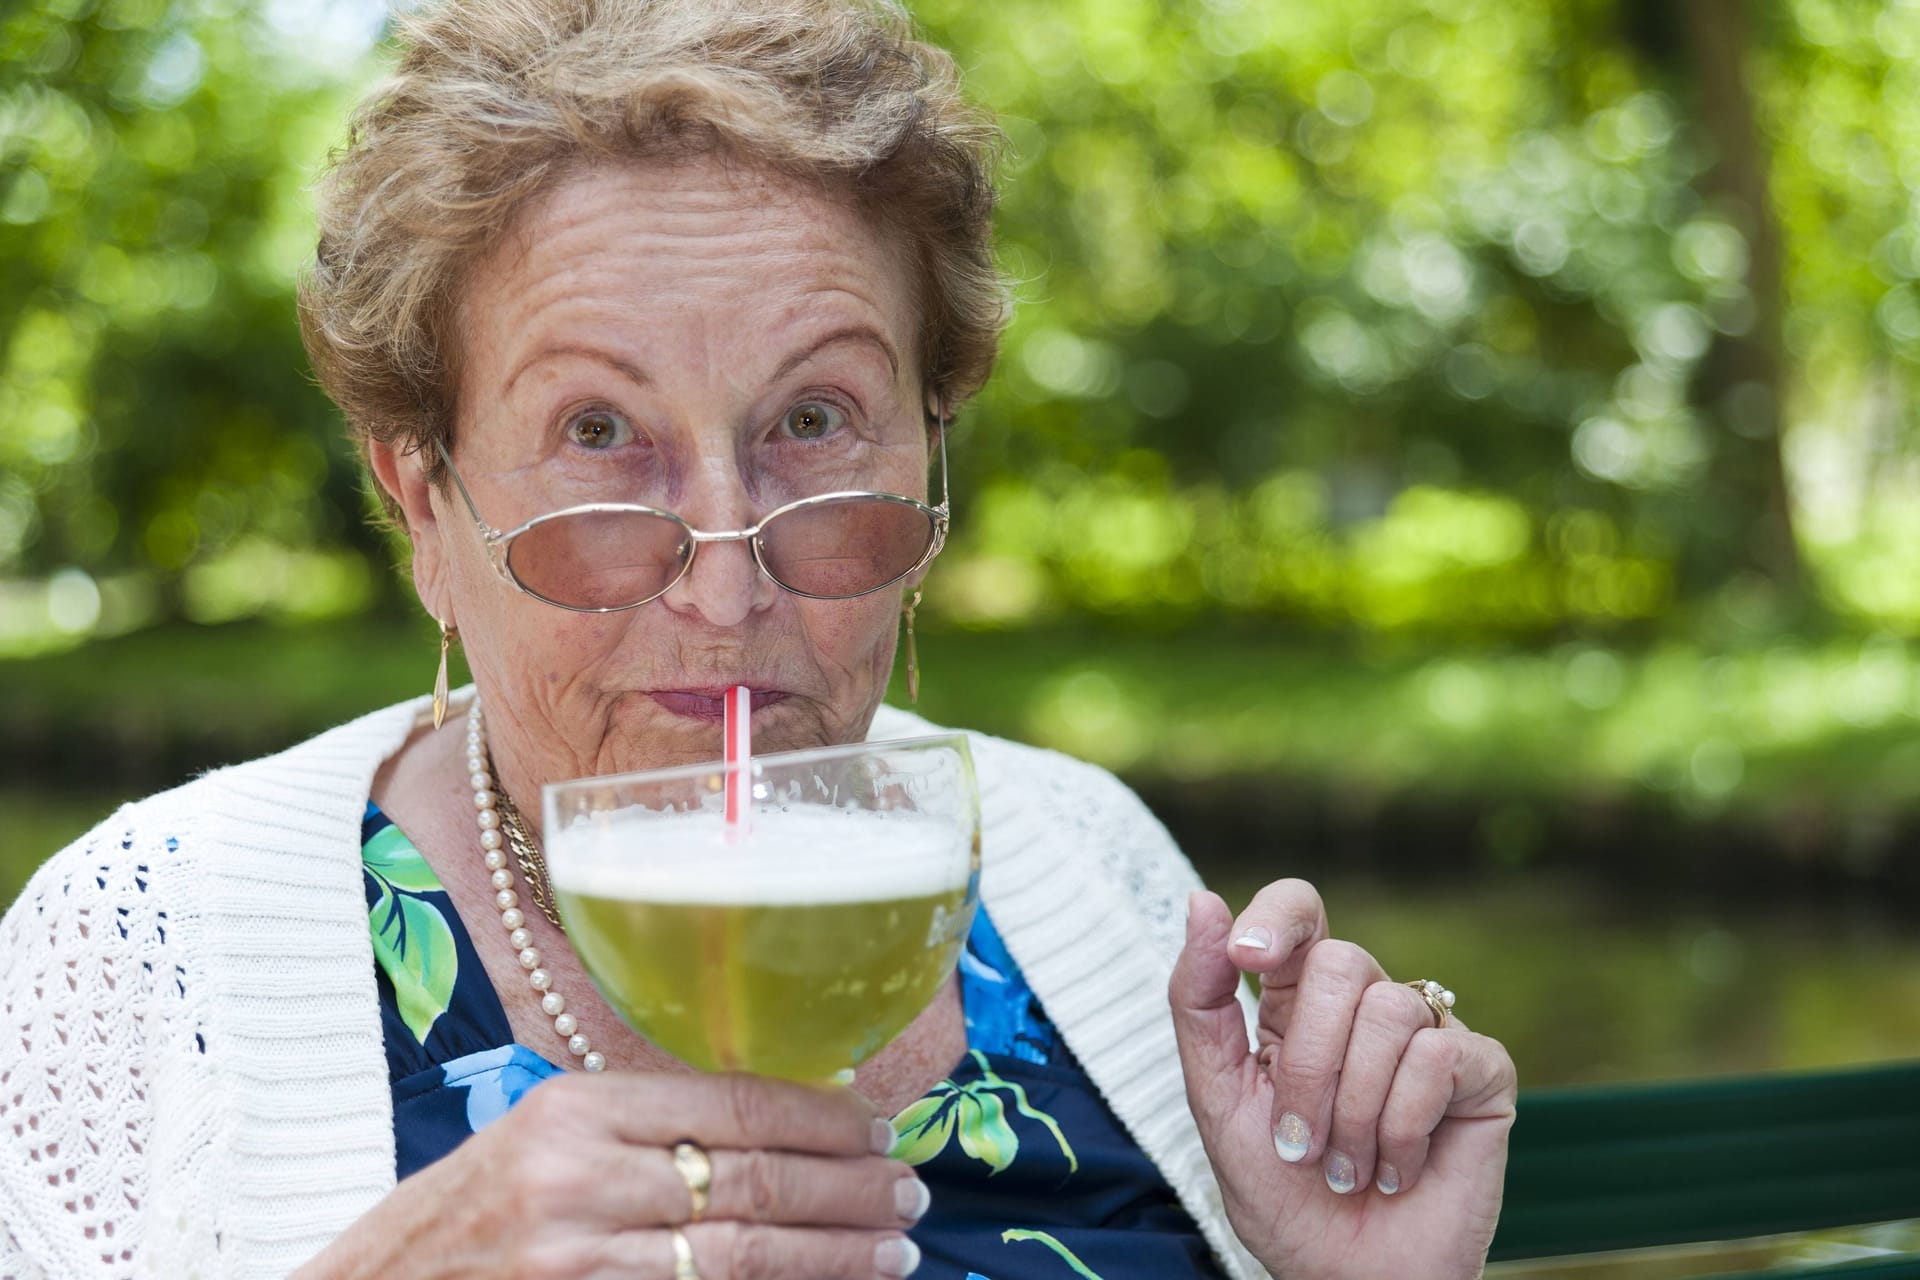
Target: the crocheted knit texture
(192, 1079)
(192, 1085)
(79, 1016)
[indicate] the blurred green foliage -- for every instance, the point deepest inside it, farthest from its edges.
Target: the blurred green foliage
(1446, 317)
(161, 431)
(1418, 315)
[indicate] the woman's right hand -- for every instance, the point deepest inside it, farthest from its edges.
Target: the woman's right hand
(578, 1180)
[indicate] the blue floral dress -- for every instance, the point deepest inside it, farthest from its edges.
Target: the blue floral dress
(1032, 1176)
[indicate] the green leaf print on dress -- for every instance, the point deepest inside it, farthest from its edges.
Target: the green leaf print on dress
(983, 1129)
(976, 1112)
(1079, 1268)
(412, 941)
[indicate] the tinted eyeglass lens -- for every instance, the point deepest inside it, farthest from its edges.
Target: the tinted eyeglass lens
(845, 547)
(599, 559)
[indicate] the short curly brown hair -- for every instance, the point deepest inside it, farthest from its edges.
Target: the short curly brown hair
(494, 101)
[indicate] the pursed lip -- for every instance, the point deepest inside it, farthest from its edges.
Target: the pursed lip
(710, 704)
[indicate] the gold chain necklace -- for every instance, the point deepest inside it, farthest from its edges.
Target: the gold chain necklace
(526, 854)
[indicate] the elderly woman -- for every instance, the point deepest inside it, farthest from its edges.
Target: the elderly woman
(709, 259)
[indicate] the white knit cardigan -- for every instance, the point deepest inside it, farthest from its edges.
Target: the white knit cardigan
(192, 1075)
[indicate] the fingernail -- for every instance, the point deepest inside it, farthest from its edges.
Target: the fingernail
(896, 1257)
(883, 1135)
(911, 1198)
(1258, 938)
(1387, 1178)
(1292, 1137)
(1340, 1172)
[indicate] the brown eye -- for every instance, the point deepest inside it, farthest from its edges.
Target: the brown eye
(813, 419)
(600, 429)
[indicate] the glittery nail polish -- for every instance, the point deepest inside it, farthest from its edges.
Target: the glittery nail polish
(1292, 1137)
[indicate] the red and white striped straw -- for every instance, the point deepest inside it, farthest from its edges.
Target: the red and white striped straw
(738, 752)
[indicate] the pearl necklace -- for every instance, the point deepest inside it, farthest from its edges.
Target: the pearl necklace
(486, 800)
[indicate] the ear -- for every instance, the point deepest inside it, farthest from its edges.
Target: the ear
(939, 415)
(400, 472)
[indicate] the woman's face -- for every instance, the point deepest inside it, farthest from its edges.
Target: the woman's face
(710, 341)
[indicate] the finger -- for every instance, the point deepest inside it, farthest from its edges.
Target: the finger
(795, 1190)
(1208, 1024)
(1313, 1045)
(717, 1111)
(1271, 939)
(641, 1186)
(1389, 1016)
(1443, 1075)
(737, 1251)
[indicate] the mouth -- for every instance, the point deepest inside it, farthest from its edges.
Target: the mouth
(709, 705)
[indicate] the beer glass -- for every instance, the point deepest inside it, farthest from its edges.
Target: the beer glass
(796, 944)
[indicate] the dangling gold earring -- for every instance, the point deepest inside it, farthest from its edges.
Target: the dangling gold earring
(913, 655)
(440, 677)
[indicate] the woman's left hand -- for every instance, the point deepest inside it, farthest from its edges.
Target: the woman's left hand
(1359, 1140)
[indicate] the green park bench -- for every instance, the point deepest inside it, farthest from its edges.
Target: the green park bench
(1600, 1169)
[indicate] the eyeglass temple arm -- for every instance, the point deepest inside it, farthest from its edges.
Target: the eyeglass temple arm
(472, 508)
(946, 505)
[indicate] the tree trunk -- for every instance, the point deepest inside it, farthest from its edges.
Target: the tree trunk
(1745, 520)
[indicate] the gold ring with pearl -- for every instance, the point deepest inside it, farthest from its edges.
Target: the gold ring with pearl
(1438, 999)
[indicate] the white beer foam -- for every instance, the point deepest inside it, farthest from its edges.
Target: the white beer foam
(687, 858)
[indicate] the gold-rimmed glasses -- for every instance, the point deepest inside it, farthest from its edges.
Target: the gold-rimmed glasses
(602, 557)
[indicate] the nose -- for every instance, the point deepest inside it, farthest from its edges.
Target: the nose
(724, 586)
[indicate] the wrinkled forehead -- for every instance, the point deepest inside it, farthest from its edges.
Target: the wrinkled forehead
(700, 270)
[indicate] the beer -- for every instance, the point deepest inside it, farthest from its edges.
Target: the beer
(796, 951)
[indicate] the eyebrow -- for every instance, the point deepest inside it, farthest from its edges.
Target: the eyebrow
(848, 333)
(629, 371)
